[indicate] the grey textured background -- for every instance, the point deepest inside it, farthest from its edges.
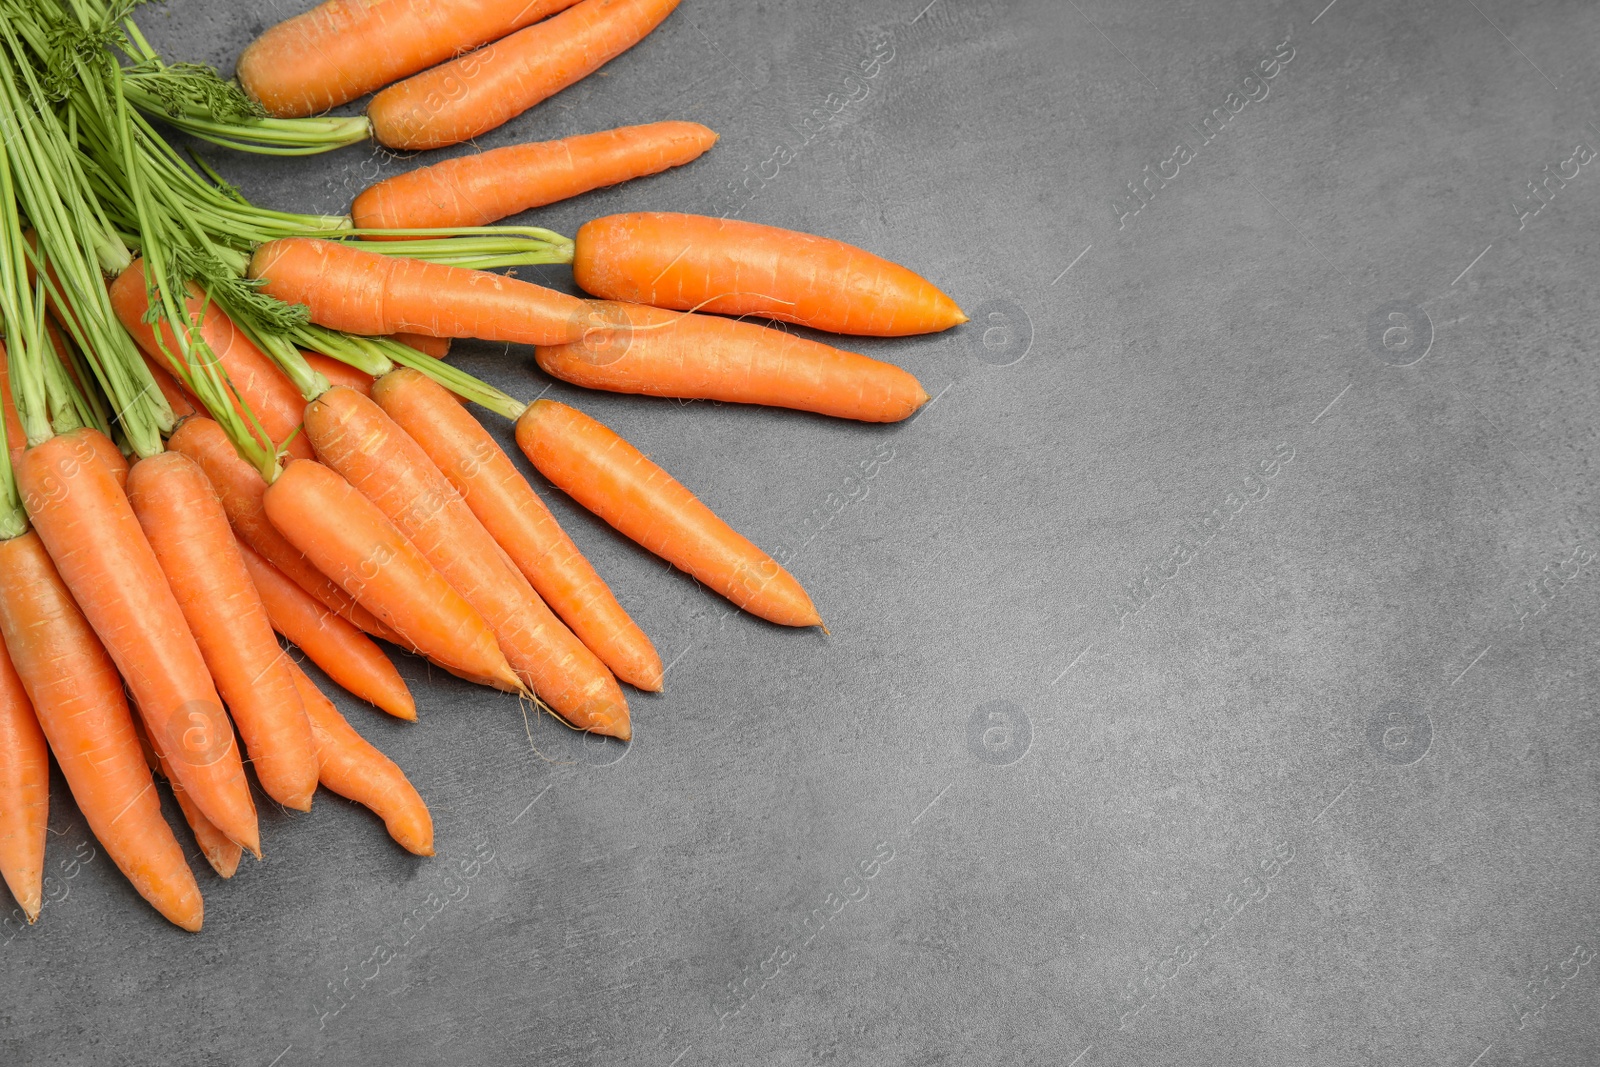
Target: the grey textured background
(1384, 668)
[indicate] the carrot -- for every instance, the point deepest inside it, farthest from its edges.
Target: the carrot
(347, 538)
(16, 439)
(343, 49)
(620, 484)
(221, 853)
(343, 652)
(640, 349)
(733, 267)
(24, 791)
(78, 698)
(518, 520)
(354, 437)
(479, 189)
(85, 521)
(351, 289)
(437, 347)
(477, 92)
(339, 373)
(181, 403)
(188, 530)
(357, 771)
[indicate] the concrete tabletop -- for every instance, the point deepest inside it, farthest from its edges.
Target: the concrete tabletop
(1212, 665)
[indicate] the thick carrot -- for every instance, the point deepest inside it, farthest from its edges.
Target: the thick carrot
(477, 92)
(24, 791)
(186, 526)
(221, 853)
(640, 349)
(357, 771)
(620, 484)
(518, 520)
(437, 347)
(479, 189)
(343, 652)
(343, 49)
(351, 541)
(733, 267)
(84, 519)
(78, 698)
(348, 288)
(354, 437)
(339, 373)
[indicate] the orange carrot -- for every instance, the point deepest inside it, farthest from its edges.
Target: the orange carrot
(221, 853)
(357, 771)
(518, 520)
(78, 698)
(353, 436)
(181, 403)
(477, 92)
(348, 288)
(639, 349)
(479, 189)
(347, 538)
(339, 373)
(188, 530)
(343, 49)
(437, 347)
(620, 484)
(85, 521)
(16, 440)
(24, 791)
(744, 268)
(343, 652)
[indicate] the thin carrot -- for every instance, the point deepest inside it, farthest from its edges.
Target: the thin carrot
(357, 771)
(479, 189)
(343, 49)
(620, 484)
(78, 698)
(24, 791)
(181, 403)
(506, 504)
(188, 530)
(84, 519)
(733, 267)
(437, 347)
(481, 90)
(221, 853)
(16, 440)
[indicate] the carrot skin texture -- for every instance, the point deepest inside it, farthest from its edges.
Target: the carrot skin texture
(481, 90)
(518, 520)
(620, 484)
(437, 347)
(343, 49)
(85, 521)
(733, 267)
(186, 526)
(78, 697)
(24, 791)
(357, 771)
(484, 188)
(349, 288)
(221, 853)
(343, 652)
(339, 373)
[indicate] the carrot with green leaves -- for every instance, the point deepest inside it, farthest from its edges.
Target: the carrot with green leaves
(24, 791)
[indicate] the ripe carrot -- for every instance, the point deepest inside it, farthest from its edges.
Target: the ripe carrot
(24, 791)
(85, 521)
(620, 484)
(733, 267)
(437, 347)
(477, 92)
(188, 530)
(16, 440)
(641, 349)
(479, 189)
(78, 698)
(221, 853)
(339, 373)
(347, 538)
(181, 403)
(351, 289)
(353, 436)
(518, 520)
(343, 652)
(343, 49)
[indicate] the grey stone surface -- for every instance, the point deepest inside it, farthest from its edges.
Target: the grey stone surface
(1136, 740)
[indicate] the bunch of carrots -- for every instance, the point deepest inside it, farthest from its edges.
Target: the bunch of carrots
(226, 424)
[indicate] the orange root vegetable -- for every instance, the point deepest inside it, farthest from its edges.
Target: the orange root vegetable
(181, 403)
(343, 652)
(733, 267)
(518, 520)
(481, 90)
(84, 519)
(620, 484)
(221, 853)
(343, 49)
(339, 373)
(479, 189)
(351, 289)
(437, 347)
(24, 791)
(16, 440)
(78, 698)
(186, 526)
(640, 349)
(350, 540)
